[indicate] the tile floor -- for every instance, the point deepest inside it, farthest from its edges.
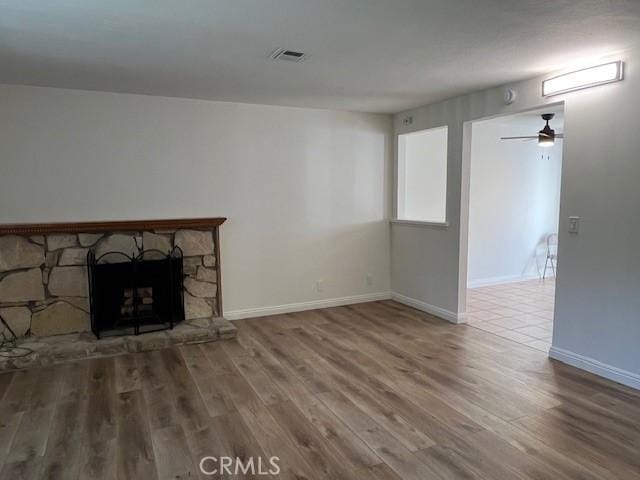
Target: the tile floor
(521, 311)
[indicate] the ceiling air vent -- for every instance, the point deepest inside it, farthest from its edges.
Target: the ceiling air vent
(288, 55)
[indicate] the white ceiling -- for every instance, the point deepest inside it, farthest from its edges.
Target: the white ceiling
(369, 55)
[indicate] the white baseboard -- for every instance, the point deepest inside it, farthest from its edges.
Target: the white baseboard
(432, 309)
(596, 367)
(486, 282)
(299, 307)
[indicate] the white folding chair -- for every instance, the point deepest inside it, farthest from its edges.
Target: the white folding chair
(552, 254)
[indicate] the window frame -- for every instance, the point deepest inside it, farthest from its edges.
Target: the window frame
(397, 201)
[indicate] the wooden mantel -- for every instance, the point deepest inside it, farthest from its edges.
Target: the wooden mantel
(109, 226)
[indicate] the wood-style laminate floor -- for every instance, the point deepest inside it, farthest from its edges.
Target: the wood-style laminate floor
(370, 391)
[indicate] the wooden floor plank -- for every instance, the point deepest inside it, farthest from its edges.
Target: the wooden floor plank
(347, 375)
(98, 461)
(135, 457)
(571, 441)
(100, 423)
(62, 458)
(5, 380)
(25, 470)
(226, 436)
(348, 446)
(172, 454)
(8, 427)
(404, 463)
(253, 373)
(275, 442)
(156, 390)
(30, 440)
(75, 381)
(219, 362)
(189, 406)
(380, 472)
(324, 458)
(47, 388)
(127, 376)
(17, 395)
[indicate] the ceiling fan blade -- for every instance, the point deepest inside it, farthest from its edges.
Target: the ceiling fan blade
(559, 135)
(518, 138)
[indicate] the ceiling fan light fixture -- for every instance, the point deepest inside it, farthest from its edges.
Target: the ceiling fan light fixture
(545, 141)
(547, 136)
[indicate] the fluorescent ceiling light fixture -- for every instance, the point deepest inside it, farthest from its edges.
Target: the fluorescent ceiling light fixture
(588, 77)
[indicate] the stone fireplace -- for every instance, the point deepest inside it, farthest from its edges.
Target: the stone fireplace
(44, 279)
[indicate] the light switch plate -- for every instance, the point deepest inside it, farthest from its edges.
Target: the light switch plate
(574, 224)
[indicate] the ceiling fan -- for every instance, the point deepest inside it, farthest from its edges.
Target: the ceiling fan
(546, 137)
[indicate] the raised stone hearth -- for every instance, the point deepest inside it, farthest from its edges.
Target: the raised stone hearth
(44, 284)
(42, 351)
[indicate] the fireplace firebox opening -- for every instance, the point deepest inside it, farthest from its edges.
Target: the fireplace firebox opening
(133, 295)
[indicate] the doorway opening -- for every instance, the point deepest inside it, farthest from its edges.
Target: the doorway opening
(514, 208)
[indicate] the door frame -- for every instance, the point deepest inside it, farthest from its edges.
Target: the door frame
(465, 187)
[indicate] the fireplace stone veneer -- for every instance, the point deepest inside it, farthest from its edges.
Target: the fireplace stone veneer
(43, 271)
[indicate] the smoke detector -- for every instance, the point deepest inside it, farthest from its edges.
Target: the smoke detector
(288, 55)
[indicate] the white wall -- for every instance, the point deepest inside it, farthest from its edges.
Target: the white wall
(597, 303)
(514, 202)
(307, 192)
(422, 175)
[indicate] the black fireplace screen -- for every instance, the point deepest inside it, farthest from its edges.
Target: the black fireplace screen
(133, 295)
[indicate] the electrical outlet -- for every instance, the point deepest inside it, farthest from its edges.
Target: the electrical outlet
(320, 285)
(369, 279)
(574, 224)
